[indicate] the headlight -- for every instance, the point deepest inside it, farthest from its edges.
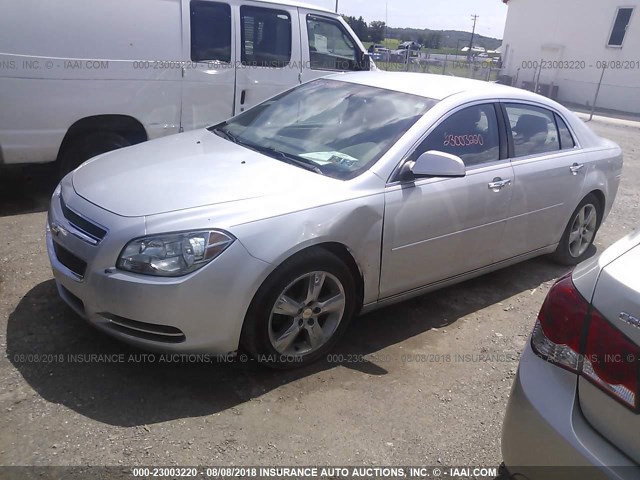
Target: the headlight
(173, 254)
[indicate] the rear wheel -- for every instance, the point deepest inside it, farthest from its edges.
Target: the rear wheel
(88, 146)
(301, 310)
(580, 232)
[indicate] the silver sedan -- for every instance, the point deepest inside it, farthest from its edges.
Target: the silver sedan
(273, 229)
(573, 411)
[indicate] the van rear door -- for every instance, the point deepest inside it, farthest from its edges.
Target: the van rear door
(268, 42)
(209, 75)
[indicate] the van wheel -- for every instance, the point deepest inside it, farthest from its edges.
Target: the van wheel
(300, 311)
(580, 232)
(88, 146)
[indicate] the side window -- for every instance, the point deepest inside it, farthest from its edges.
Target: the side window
(210, 31)
(266, 37)
(330, 45)
(471, 134)
(566, 140)
(534, 130)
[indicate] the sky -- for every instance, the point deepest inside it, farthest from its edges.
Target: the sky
(432, 14)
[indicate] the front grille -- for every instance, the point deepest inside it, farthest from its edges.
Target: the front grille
(85, 226)
(69, 260)
(147, 331)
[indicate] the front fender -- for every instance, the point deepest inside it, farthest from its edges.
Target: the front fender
(355, 223)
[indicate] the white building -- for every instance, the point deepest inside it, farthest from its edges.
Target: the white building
(562, 47)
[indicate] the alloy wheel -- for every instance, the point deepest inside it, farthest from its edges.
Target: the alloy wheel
(583, 230)
(306, 314)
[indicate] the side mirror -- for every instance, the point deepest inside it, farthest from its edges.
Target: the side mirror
(438, 164)
(364, 64)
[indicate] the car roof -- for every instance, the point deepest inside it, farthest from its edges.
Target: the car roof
(436, 87)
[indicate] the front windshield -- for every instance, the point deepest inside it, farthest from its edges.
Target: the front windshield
(334, 128)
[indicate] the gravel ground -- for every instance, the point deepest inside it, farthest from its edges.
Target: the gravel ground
(372, 408)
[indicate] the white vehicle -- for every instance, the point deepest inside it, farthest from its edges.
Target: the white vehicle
(79, 78)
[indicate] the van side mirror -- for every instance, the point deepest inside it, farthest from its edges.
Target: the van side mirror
(364, 63)
(437, 164)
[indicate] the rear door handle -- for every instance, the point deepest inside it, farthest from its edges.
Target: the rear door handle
(575, 168)
(498, 184)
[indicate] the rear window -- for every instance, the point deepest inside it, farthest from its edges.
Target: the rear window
(534, 130)
(210, 31)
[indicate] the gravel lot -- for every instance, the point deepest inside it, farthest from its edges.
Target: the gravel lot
(382, 411)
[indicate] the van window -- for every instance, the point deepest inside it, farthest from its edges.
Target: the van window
(330, 45)
(210, 31)
(266, 37)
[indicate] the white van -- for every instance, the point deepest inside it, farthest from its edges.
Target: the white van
(79, 78)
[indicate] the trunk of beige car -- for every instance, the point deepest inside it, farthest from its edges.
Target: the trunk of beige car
(617, 298)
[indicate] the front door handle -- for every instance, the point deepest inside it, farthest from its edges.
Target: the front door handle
(575, 168)
(498, 184)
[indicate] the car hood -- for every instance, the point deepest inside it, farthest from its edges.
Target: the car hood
(184, 171)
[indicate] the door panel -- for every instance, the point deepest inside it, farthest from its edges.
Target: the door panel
(440, 228)
(269, 51)
(208, 83)
(546, 190)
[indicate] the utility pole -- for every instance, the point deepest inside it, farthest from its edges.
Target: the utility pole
(473, 33)
(336, 6)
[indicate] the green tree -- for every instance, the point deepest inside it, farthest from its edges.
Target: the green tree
(377, 30)
(434, 41)
(359, 26)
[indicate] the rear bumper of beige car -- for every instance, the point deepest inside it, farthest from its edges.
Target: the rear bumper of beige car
(546, 437)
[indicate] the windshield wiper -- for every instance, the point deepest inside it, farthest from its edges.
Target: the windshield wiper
(272, 152)
(288, 158)
(223, 133)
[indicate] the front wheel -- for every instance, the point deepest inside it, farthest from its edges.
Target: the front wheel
(580, 232)
(301, 310)
(83, 148)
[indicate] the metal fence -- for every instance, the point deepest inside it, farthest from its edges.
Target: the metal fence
(453, 65)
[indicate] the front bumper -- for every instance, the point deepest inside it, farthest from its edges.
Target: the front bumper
(202, 312)
(546, 437)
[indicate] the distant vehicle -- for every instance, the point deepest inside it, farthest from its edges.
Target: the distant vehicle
(575, 401)
(409, 46)
(342, 195)
(483, 55)
(381, 54)
(89, 79)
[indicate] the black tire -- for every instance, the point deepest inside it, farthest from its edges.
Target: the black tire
(255, 336)
(563, 253)
(88, 146)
